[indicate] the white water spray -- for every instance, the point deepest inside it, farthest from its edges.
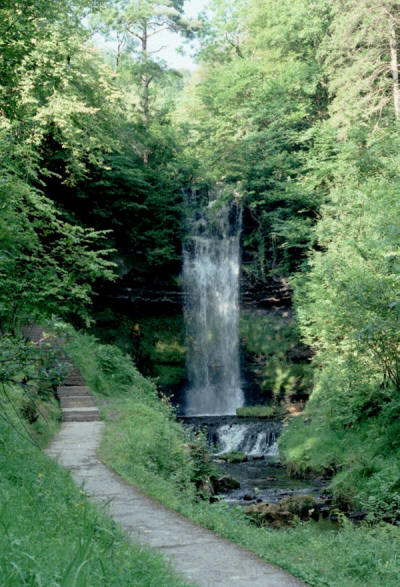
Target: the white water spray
(211, 281)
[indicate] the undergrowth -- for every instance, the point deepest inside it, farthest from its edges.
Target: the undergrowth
(363, 460)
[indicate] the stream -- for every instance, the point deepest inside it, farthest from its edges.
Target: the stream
(261, 477)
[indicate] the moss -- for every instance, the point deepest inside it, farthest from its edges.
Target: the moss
(265, 412)
(234, 457)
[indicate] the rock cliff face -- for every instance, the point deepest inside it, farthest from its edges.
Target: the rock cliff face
(272, 292)
(147, 295)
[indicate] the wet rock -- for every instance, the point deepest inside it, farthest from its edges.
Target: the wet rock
(248, 497)
(357, 516)
(270, 514)
(303, 506)
(224, 484)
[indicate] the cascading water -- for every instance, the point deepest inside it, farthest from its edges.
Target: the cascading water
(211, 281)
(254, 439)
(228, 434)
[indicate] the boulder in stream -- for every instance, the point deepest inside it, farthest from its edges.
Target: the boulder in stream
(234, 457)
(224, 484)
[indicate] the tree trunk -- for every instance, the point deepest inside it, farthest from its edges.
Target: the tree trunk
(145, 78)
(394, 66)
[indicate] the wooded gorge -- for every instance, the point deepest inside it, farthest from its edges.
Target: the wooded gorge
(293, 112)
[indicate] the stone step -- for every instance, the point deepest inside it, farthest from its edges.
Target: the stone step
(79, 417)
(77, 401)
(80, 414)
(74, 378)
(73, 390)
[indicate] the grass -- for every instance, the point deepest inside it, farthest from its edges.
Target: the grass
(50, 534)
(364, 460)
(149, 449)
(266, 412)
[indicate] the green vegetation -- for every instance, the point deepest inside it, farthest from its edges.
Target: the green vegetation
(278, 360)
(160, 350)
(295, 107)
(168, 460)
(49, 532)
(233, 457)
(303, 102)
(263, 412)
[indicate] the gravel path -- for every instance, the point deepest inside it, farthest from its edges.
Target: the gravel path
(197, 554)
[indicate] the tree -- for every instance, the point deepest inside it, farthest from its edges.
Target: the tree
(360, 56)
(134, 24)
(249, 115)
(46, 264)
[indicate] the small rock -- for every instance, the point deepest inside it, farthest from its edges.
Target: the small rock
(248, 497)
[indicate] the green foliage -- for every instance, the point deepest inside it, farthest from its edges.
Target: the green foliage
(351, 556)
(145, 437)
(249, 113)
(356, 57)
(347, 308)
(272, 341)
(160, 350)
(30, 365)
(46, 264)
(354, 556)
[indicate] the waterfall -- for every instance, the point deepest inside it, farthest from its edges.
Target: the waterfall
(229, 433)
(211, 259)
(253, 439)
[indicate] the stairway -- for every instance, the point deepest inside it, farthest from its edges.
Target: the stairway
(76, 400)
